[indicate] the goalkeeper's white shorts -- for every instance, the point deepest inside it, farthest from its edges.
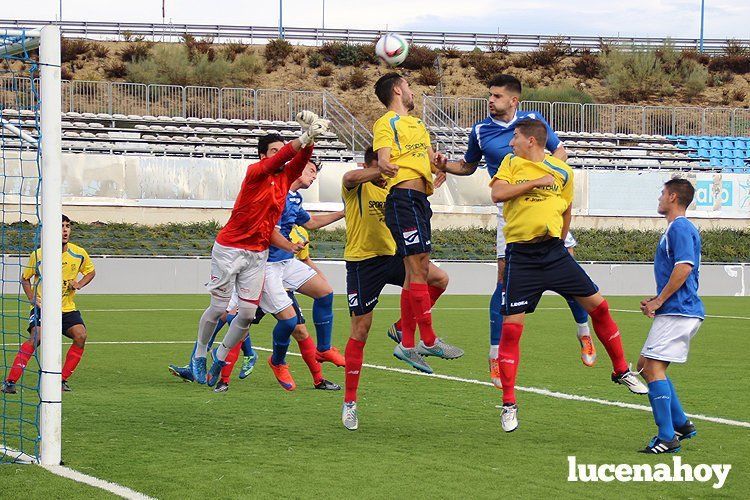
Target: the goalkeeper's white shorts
(281, 276)
(236, 269)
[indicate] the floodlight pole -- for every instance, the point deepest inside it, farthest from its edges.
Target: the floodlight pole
(703, 7)
(50, 391)
(281, 22)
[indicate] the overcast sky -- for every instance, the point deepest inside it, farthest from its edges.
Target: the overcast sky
(657, 18)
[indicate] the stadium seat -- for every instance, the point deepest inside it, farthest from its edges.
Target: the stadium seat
(715, 153)
(738, 153)
(692, 143)
(727, 153)
(727, 144)
(727, 162)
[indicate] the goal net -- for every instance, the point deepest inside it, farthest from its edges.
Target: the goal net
(30, 402)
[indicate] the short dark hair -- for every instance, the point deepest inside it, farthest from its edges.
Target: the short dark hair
(683, 189)
(65, 218)
(317, 163)
(384, 87)
(265, 140)
(509, 82)
(370, 156)
(533, 128)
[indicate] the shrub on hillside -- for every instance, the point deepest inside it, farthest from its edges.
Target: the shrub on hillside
(231, 50)
(314, 60)
(325, 70)
(548, 54)
(245, 68)
(358, 78)
(635, 74)
(135, 51)
(168, 65)
(198, 46)
(450, 52)
(115, 70)
(587, 65)
(694, 76)
(428, 76)
(277, 51)
(99, 50)
(486, 66)
(499, 46)
(420, 57)
(562, 93)
(71, 48)
(347, 54)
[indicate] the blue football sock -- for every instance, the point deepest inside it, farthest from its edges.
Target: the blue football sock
(678, 415)
(230, 317)
(247, 346)
(579, 313)
(496, 317)
(659, 394)
(323, 319)
(282, 334)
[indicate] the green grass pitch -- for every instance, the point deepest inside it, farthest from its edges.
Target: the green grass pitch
(130, 422)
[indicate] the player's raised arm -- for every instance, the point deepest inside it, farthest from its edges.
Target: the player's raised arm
(354, 178)
(461, 167)
(384, 163)
(502, 190)
(318, 221)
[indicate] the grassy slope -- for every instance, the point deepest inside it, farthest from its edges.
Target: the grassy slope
(128, 421)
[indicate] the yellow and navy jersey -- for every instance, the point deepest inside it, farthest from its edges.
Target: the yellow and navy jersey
(75, 261)
(367, 235)
(409, 141)
(299, 234)
(538, 212)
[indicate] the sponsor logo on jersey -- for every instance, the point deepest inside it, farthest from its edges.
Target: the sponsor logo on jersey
(411, 236)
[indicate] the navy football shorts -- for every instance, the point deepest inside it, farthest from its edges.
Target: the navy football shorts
(533, 268)
(407, 215)
(365, 280)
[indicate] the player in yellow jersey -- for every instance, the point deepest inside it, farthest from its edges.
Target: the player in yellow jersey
(371, 263)
(406, 159)
(75, 262)
(537, 190)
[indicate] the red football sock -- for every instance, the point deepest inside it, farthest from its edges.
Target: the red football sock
(435, 293)
(71, 361)
(232, 356)
(19, 363)
(421, 308)
(509, 355)
(408, 323)
(353, 354)
(609, 335)
(307, 349)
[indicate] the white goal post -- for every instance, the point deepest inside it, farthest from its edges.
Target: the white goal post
(50, 391)
(49, 155)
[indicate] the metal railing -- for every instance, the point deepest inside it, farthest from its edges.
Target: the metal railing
(261, 34)
(192, 102)
(610, 118)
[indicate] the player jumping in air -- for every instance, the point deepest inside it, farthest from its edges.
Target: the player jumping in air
(371, 263)
(490, 138)
(537, 190)
(405, 158)
(75, 262)
(678, 313)
(239, 254)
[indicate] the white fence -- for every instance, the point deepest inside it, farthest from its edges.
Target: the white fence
(612, 118)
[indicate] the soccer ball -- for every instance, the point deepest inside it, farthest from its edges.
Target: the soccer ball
(392, 49)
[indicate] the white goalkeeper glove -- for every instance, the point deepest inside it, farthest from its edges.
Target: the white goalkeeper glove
(305, 119)
(317, 128)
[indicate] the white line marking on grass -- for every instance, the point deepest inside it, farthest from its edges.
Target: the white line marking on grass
(79, 477)
(398, 309)
(533, 390)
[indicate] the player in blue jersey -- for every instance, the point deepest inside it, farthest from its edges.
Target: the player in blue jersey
(677, 312)
(490, 139)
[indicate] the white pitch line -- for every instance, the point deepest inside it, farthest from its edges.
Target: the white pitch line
(397, 309)
(79, 477)
(533, 390)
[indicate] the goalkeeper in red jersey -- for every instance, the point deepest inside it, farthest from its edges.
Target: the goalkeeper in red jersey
(239, 254)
